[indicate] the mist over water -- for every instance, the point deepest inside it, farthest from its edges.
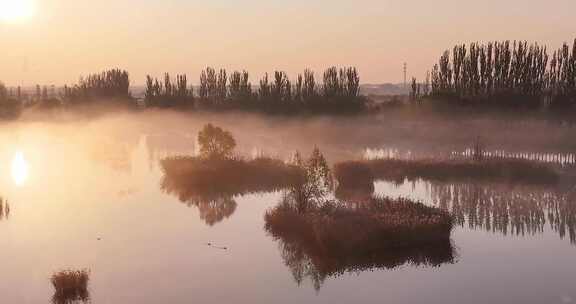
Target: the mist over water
(86, 193)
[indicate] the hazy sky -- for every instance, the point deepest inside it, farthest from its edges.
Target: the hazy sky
(69, 38)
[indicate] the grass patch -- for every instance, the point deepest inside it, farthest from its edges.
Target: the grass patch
(508, 170)
(70, 286)
(207, 179)
(331, 238)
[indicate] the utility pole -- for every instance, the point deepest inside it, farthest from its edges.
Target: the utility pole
(405, 70)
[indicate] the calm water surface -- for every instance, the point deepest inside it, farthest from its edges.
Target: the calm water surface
(87, 195)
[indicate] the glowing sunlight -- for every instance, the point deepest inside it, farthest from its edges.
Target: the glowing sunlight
(16, 10)
(19, 169)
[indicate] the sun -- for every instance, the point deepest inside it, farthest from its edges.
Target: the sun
(16, 10)
(19, 169)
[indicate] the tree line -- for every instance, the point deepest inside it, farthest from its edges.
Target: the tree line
(113, 84)
(504, 73)
(10, 105)
(110, 84)
(339, 91)
(40, 93)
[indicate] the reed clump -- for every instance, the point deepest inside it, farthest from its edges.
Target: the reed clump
(4, 209)
(355, 183)
(384, 233)
(70, 286)
(384, 222)
(508, 170)
(212, 178)
(353, 174)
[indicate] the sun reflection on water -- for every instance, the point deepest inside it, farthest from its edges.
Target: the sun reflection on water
(19, 169)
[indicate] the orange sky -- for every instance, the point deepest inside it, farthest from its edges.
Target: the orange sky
(68, 38)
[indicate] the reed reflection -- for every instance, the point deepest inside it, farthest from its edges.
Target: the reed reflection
(514, 210)
(355, 183)
(4, 209)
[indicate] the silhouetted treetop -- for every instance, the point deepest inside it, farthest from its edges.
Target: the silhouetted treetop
(215, 142)
(110, 84)
(513, 73)
(275, 92)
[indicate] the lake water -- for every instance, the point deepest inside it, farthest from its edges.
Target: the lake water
(86, 194)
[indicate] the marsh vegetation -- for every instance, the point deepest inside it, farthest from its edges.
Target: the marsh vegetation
(212, 184)
(332, 235)
(321, 237)
(331, 238)
(4, 209)
(70, 286)
(244, 177)
(504, 170)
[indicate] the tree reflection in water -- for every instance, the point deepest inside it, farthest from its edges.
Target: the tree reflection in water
(517, 210)
(4, 209)
(213, 208)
